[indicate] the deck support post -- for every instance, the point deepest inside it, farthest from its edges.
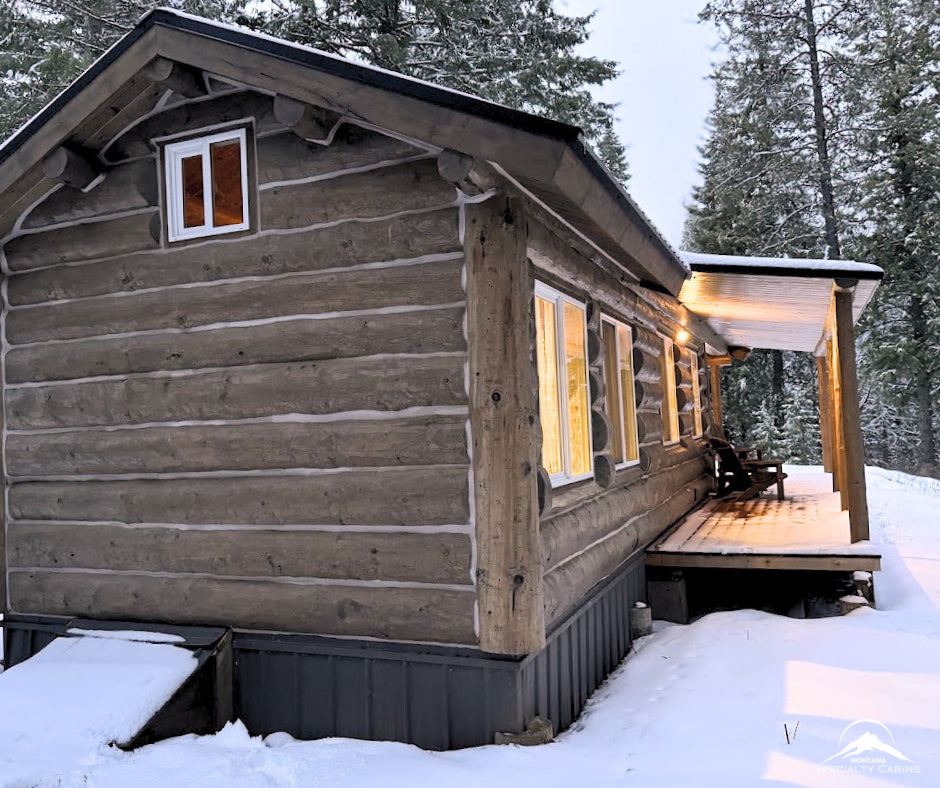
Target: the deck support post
(504, 427)
(822, 377)
(854, 449)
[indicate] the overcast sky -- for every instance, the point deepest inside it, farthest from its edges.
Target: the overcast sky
(663, 92)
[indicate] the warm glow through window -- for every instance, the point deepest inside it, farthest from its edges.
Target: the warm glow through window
(621, 402)
(670, 408)
(696, 397)
(564, 399)
(207, 185)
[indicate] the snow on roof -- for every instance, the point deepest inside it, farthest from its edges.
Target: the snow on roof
(803, 266)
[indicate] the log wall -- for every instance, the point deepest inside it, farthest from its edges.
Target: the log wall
(265, 430)
(593, 527)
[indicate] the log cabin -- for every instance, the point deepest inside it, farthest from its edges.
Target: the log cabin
(391, 383)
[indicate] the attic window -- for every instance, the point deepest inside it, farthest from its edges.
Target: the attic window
(207, 185)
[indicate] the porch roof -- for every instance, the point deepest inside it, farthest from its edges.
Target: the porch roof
(772, 303)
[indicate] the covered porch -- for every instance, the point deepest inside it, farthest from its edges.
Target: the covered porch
(801, 305)
(818, 532)
(808, 530)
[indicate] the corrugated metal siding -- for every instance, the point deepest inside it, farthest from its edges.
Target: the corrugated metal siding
(314, 687)
(582, 651)
(24, 636)
(436, 697)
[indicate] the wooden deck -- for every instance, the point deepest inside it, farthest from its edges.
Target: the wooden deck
(805, 531)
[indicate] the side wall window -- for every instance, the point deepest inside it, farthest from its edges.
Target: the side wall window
(207, 185)
(668, 380)
(696, 397)
(621, 403)
(564, 401)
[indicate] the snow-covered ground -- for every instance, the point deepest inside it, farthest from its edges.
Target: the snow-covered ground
(701, 705)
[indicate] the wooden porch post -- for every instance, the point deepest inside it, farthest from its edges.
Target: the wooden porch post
(854, 457)
(835, 419)
(822, 378)
(504, 431)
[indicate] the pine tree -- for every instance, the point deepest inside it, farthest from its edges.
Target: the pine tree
(898, 52)
(759, 196)
(46, 44)
(521, 53)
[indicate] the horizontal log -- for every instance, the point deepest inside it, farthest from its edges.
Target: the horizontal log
(303, 339)
(412, 186)
(648, 341)
(360, 443)
(187, 82)
(88, 241)
(296, 294)
(644, 360)
(67, 166)
(304, 120)
(406, 496)
(285, 157)
(649, 426)
(648, 395)
(244, 392)
(136, 141)
(432, 614)
(567, 585)
(573, 530)
(352, 243)
(127, 187)
(409, 557)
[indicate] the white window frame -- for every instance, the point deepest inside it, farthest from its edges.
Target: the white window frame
(173, 154)
(670, 392)
(565, 476)
(620, 393)
(698, 424)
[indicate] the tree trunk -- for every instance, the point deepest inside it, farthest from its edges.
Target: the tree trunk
(822, 139)
(777, 389)
(923, 383)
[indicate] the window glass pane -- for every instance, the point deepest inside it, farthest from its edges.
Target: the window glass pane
(579, 424)
(632, 450)
(696, 396)
(670, 409)
(549, 408)
(194, 207)
(227, 198)
(612, 382)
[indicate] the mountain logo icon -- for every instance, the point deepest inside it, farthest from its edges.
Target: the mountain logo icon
(867, 739)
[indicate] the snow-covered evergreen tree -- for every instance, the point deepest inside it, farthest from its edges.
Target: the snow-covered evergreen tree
(522, 53)
(897, 51)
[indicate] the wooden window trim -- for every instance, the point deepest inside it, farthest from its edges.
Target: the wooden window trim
(565, 477)
(623, 436)
(173, 155)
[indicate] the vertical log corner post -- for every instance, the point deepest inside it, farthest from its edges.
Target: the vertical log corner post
(504, 427)
(853, 472)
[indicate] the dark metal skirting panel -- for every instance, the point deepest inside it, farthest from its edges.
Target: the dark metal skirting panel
(24, 636)
(434, 696)
(584, 648)
(437, 698)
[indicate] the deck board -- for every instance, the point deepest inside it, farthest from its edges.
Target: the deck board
(807, 530)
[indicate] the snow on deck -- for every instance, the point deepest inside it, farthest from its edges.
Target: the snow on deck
(80, 694)
(808, 522)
